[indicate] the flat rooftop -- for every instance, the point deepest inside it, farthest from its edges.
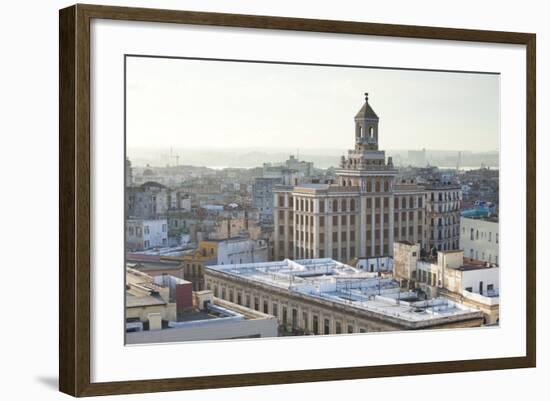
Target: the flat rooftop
(329, 280)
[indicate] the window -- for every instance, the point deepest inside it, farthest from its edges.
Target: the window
(326, 327)
(334, 220)
(350, 329)
(304, 320)
(275, 309)
(315, 324)
(352, 205)
(322, 221)
(265, 307)
(335, 206)
(321, 206)
(256, 303)
(338, 328)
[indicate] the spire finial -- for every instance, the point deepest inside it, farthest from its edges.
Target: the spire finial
(366, 96)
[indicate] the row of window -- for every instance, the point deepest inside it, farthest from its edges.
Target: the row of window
(344, 205)
(302, 236)
(444, 234)
(146, 230)
(481, 235)
(284, 318)
(444, 196)
(475, 255)
(444, 208)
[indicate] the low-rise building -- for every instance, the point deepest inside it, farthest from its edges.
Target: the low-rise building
(323, 296)
(479, 238)
(463, 280)
(165, 309)
(142, 234)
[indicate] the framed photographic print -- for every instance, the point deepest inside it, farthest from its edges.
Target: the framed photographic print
(250, 200)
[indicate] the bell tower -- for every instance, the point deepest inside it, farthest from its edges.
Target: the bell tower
(366, 127)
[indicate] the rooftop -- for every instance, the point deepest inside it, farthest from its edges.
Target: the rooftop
(341, 284)
(366, 111)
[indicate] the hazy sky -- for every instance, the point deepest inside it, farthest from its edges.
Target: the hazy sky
(204, 104)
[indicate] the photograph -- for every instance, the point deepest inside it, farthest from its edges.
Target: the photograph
(272, 199)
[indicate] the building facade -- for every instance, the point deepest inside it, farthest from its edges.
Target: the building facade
(323, 296)
(361, 214)
(142, 234)
(262, 197)
(443, 215)
(479, 239)
(450, 275)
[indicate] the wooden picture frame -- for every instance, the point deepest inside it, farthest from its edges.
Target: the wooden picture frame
(74, 199)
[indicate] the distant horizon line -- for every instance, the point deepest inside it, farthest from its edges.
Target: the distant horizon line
(293, 150)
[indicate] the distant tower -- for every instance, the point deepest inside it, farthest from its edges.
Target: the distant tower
(366, 127)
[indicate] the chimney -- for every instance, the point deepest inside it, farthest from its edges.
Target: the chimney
(184, 297)
(155, 321)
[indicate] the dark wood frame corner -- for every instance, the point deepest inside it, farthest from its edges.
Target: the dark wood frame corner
(74, 199)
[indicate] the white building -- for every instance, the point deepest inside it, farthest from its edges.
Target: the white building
(323, 296)
(144, 234)
(479, 239)
(471, 283)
